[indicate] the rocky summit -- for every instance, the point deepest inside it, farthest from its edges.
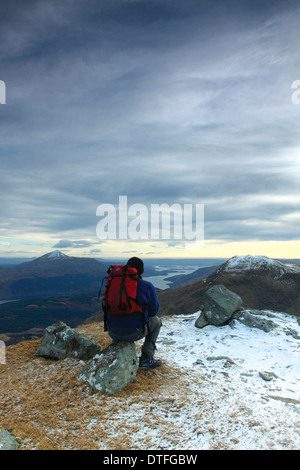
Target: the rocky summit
(233, 387)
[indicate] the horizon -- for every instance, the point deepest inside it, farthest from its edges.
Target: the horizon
(187, 103)
(146, 259)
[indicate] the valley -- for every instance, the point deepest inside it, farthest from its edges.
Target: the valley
(58, 287)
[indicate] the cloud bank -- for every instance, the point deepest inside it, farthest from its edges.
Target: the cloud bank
(165, 102)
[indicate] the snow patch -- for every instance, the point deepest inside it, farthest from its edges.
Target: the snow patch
(244, 382)
(54, 255)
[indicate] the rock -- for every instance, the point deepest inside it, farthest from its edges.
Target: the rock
(292, 332)
(201, 321)
(7, 441)
(113, 369)
(219, 304)
(2, 352)
(61, 341)
(220, 358)
(254, 319)
(267, 376)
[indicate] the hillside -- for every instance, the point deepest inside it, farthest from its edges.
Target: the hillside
(27, 319)
(219, 388)
(260, 281)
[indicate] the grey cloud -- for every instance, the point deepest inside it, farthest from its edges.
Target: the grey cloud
(189, 103)
(74, 244)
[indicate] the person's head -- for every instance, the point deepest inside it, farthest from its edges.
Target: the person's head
(136, 263)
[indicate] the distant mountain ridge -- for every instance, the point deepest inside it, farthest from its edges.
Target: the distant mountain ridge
(262, 282)
(54, 274)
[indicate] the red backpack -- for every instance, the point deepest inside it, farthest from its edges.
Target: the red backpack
(120, 291)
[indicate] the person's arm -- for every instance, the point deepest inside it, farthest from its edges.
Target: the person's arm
(154, 303)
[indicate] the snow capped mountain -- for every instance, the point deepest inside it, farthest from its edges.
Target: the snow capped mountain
(51, 274)
(247, 263)
(56, 254)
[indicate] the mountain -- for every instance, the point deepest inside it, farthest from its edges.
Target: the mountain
(51, 274)
(219, 388)
(262, 282)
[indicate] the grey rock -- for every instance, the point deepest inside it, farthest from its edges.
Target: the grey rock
(113, 369)
(292, 332)
(201, 321)
(220, 358)
(254, 319)
(219, 304)
(61, 341)
(267, 376)
(7, 441)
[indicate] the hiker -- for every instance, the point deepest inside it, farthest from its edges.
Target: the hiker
(143, 322)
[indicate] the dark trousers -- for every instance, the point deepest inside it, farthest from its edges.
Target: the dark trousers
(150, 334)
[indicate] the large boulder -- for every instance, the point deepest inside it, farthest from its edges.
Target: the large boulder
(61, 341)
(219, 304)
(113, 369)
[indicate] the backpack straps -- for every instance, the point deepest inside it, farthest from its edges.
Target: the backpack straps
(106, 277)
(122, 305)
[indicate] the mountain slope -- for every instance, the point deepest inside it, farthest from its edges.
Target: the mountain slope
(218, 388)
(260, 281)
(181, 279)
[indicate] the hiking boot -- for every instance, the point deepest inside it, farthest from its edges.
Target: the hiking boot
(149, 363)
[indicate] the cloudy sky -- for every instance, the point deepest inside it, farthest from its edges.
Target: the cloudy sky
(163, 101)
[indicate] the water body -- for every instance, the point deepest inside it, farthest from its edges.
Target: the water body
(161, 281)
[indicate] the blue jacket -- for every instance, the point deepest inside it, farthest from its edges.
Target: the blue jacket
(147, 299)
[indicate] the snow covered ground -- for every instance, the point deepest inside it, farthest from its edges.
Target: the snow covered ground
(243, 384)
(218, 388)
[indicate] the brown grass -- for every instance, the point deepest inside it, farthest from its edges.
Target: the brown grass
(45, 407)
